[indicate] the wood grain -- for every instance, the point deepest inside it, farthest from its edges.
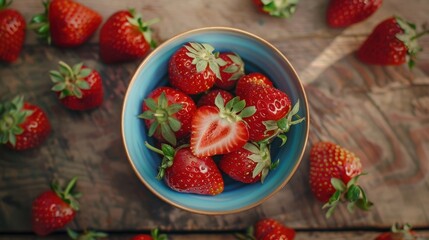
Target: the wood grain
(380, 113)
(352, 235)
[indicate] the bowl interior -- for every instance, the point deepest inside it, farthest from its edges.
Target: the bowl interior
(259, 56)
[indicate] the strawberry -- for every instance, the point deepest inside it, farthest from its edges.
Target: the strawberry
(125, 37)
(220, 129)
(184, 172)
(12, 32)
(55, 208)
(251, 80)
(334, 172)
(268, 229)
(168, 114)
(208, 99)
(273, 115)
(87, 235)
(249, 164)
(399, 233)
(154, 235)
(66, 23)
(231, 71)
(22, 125)
(194, 67)
(78, 87)
(275, 8)
(343, 13)
(392, 42)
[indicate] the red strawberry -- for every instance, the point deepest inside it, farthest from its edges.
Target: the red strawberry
(220, 129)
(54, 209)
(399, 233)
(268, 228)
(231, 71)
(343, 13)
(273, 115)
(251, 80)
(249, 164)
(22, 125)
(66, 23)
(168, 114)
(281, 9)
(154, 235)
(208, 99)
(194, 67)
(184, 172)
(87, 235)
(392, 42)
(12, 32)
(125, 37)
(334, 172)
(78, 87)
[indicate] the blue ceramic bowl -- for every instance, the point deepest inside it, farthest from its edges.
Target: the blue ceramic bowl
(259, 55)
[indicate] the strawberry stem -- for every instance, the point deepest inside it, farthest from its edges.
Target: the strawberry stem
(420, 34)
(167, 161)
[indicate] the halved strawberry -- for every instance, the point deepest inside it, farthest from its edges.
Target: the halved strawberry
(187, 173)
(194, 67)
(220, 129)
(168, 114)
(249, 164)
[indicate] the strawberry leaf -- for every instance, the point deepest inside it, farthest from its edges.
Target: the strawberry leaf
(83, 84)
(338, 184)
(353, 193)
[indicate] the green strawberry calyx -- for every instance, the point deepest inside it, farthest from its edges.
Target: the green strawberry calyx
(403, 232)
(144, 27)
(163, 118)
(280, 8)
(12, 115)
(351, 193)
(409, 38)
(87, 235)
(202, 57)
(67, 195)
(70, 81)
(282, 126)
(168, 153)
(262, 157)
(39, 23)
(234, 110)
(154, 233)
(236, 69)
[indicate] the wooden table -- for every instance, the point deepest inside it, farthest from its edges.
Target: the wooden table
(380, 113)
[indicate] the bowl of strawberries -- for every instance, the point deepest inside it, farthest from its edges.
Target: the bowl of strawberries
(215, 121)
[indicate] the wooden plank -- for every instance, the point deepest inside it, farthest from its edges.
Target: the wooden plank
(378, 112)
(355, 235)
(177, 17)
